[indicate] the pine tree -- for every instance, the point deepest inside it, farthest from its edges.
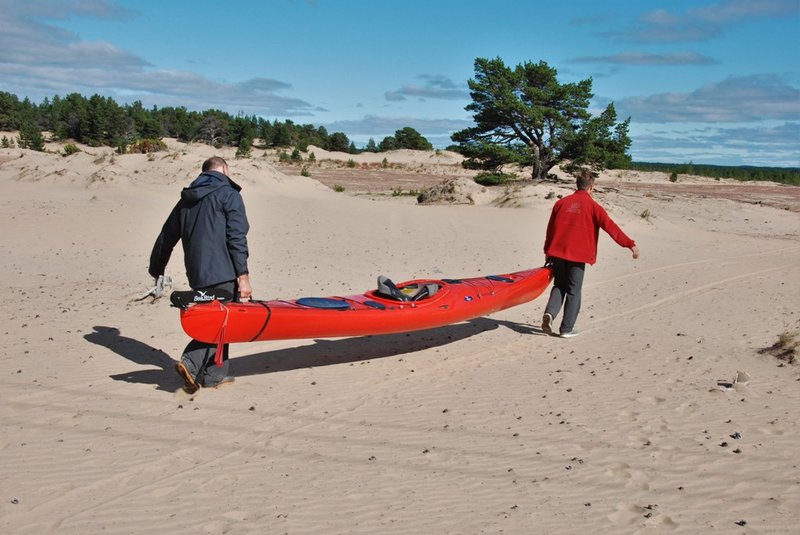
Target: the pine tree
(30, 137)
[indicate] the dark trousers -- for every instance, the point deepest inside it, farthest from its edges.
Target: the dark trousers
(567, 284)
(198, 357)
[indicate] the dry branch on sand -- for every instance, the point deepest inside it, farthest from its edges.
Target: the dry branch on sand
(786, 348)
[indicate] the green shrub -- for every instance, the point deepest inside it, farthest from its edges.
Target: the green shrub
(121, 145)
(338, 188)
(282, 156)
(312, 158)
(398, 192)
(70, 148)
(673, 177)
(494, 179)
(147, 146)
(351, 163)
(245, 148)
(305, 172)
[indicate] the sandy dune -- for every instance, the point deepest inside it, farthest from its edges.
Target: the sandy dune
(483, 427)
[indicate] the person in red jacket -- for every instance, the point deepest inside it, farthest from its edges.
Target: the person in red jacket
(570, 244)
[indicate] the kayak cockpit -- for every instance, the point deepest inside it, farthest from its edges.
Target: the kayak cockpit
(411, 292)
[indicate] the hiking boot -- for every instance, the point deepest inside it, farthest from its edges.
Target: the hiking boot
(190, 384)
(547, 323)
(570, 334)
(216, 383)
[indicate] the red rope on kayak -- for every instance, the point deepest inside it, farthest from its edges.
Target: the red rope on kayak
(221, 335)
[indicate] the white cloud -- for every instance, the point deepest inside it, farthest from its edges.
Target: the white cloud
(766, 145)
(735, 99)
(39, 59)
(736, 10)
(702, 24)
(24, 40)
(641, 58)
(435, 87)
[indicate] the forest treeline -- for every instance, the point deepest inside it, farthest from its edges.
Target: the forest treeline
(98, 120)
(784, 175)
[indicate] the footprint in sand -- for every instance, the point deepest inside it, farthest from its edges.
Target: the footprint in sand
(647, 515)
(630, 476)
(650, 400)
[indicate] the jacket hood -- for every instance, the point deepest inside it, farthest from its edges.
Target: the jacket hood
(206, 183)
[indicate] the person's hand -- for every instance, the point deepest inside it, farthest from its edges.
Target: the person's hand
(635, 251)
(245, 291)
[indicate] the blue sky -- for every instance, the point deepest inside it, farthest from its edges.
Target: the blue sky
(703, 81)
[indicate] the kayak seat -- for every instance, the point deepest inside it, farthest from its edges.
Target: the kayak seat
(411, 292)
(388, 289)
(425, 291)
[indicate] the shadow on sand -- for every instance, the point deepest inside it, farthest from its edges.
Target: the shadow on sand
(320, 353)
(140, 353)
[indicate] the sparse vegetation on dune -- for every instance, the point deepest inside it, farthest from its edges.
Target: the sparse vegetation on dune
(70, 148)
(147, 146)
(785, 348)
(494, 179)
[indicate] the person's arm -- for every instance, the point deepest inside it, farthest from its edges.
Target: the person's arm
(612, 229)
(236, 230)
(165, 243)
(548, 236)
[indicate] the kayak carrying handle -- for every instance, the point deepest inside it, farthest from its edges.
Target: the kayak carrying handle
(221, 343)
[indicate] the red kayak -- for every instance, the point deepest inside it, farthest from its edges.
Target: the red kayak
(390, 308)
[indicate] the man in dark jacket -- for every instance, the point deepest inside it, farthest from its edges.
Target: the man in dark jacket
(210, 221)
(570, 244)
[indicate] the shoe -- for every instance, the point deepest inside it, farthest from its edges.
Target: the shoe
(190, 384)
(570, 334)
(547, 323)
(227, 380)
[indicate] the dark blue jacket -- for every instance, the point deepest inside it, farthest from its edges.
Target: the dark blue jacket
(211, 222)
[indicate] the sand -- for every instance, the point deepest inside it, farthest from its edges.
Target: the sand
(663, 416)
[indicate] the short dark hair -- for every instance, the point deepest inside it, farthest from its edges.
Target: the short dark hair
(584, 179)
(215, 162)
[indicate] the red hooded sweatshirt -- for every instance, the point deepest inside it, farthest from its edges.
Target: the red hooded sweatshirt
(574, 228)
